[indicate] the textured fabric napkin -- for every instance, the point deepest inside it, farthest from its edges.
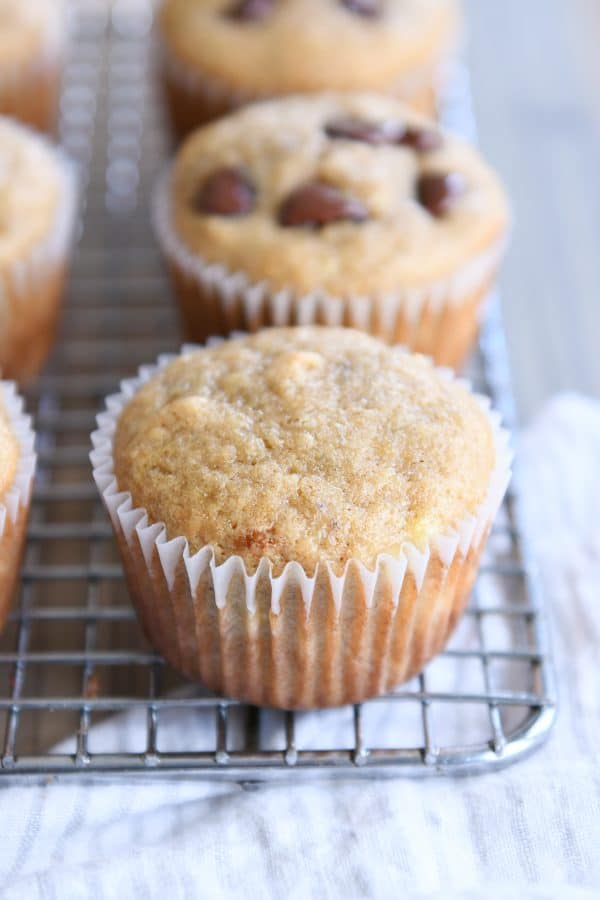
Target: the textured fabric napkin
(530, 831)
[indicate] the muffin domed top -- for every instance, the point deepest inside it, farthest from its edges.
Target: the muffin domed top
(308, 444)
(27, 27)
(29, 189)
(347, 193)
(9, 452)
(283, 46)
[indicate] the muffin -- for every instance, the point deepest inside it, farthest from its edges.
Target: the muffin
(338, 210)
(219, 54)
(17, 466)
(300, 512)
(31, 60)
(37, 213)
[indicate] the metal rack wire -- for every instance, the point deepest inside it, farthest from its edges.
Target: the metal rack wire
(73, 655)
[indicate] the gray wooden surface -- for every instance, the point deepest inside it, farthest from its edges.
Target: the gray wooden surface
(536, 76)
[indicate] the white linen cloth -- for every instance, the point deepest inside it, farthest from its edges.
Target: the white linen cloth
(532, 830)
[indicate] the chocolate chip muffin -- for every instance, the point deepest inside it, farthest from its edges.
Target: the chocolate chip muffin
(17, 465)
(37, 212)
(334, 209)
(219, 54)
(32, 40)
(324, 501)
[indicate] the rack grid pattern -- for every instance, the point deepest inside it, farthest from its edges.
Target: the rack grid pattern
(73, 655)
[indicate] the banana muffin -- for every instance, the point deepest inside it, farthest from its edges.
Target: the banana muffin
(32, 43)
(17, 465)
(219, 54)
(340, 209)
(37, 212)
(300, 512)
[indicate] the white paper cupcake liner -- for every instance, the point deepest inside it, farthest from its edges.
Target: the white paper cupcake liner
(197, 97)
(14, 503)
(30, 285)
(196, 84)
(439, 319)
(292, 632)
(217, 91)
(19, 495)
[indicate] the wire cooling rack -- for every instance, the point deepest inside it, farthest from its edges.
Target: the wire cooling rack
(81, 691)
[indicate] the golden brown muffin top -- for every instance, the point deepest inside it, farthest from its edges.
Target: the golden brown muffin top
(352, 194)
(28, 28)
(30, 185)
(284, 46)
(9, 452)
(307, 444)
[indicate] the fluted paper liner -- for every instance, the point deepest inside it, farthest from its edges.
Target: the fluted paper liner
(297, 639)
(14, 503)
(31, 286)
(440, 319)
(196, 97)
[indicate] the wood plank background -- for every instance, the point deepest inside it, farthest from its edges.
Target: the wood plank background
(536, 76)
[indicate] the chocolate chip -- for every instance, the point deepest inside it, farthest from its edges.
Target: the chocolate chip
(439, 193)
(250, 10)
(422, 139)
(376, 133)
(227, 192)
(317, 204)
(367, 8)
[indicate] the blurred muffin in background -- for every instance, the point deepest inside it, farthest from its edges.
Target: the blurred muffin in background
(219, 54)
(37, 215)
(337, 209)
(32, 43)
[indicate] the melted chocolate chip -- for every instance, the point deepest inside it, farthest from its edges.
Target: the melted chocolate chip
(366, 8)
(317, 204)
(439, 193)
(375, 133)
(250, 10)
(227, 192)
(422, 139)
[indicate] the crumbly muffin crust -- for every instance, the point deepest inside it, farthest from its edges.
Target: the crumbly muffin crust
(287, 46)
(29, 190)
(307, 444)
(9, 452)
(382, 230)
